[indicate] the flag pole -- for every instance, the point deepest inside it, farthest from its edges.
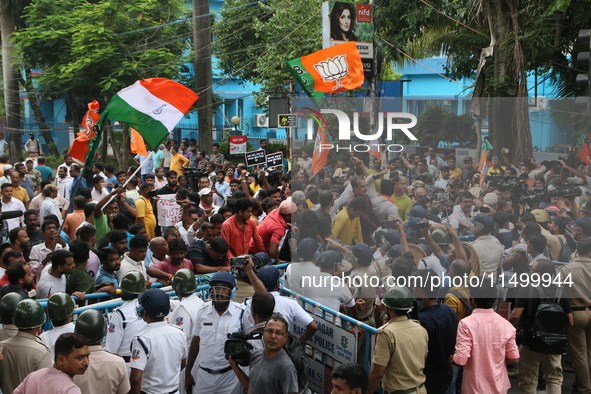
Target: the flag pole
(131, 176)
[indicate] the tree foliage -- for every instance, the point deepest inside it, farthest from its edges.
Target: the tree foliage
(436, 124)
(254, 41)
(91, 49)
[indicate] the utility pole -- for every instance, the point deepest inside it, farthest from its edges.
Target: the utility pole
(203, 76)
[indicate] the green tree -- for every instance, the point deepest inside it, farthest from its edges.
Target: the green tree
(90, 50)
(254, 41)
(496, 43)
(438, 124)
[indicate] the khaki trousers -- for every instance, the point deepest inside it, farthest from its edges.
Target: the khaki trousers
(528, 370)
(579, 341)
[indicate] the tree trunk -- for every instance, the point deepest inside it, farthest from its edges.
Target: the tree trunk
(119, 149)
(41, 123)
(11, 88)
(203, 75)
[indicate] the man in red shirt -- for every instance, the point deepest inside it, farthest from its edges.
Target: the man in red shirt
(273, 228)
(170, 265)
(240, 232)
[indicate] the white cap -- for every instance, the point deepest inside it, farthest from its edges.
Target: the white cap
(204, 191)
(491, 198)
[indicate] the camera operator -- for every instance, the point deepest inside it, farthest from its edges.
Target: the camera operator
(271, 369)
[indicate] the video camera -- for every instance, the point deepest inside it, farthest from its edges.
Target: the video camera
(543, 194)
(194, 174)
(508, 184)
(237, 347)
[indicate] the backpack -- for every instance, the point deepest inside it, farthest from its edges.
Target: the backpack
(548, 330)
(565, 251)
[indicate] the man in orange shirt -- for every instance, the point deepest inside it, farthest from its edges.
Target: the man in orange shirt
(76, 218)
(239, 230)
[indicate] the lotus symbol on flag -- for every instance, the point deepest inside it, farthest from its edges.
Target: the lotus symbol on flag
(333, 69)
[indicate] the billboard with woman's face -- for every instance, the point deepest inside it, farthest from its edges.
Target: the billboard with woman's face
(344, 22)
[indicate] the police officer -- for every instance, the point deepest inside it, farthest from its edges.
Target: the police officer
(60, 307)
(216, 319)
(124, 323)
(184, 314)
(401, 348)
(8, 304)
(159, 349)
(25, 352)
(107, 372)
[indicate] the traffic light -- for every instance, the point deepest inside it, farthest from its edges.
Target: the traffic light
(583, 81)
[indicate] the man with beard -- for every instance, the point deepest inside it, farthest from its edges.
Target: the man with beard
(10, 203)
(218, 318)
(54, 280)
(71, 359)
(20, 279)
(19, 240)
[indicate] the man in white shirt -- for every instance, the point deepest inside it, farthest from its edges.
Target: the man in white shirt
(462, 215)
(11, 204)
(60, 307)
(54, 280)
(99, 189)
(41, 253)
(64, 182)
(134, 259)
(49, 205)
(305, 266)
(489, 249)
(327, 288)
(68, 161)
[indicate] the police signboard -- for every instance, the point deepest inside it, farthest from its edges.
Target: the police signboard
(335, 342)
(255, 157)
(320, 376)
(287, 120)
(275, 159)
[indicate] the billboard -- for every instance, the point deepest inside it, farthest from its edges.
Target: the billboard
(343, 22)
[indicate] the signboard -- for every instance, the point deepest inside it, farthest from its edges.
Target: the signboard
(287, 120)
(320, 376)
(255, 158)
(169, 211)
(342, 22)
(337, 343)
(275, 159)
(238, 144)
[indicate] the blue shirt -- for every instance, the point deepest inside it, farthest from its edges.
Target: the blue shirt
(146, 168)
(75, 190)
(158, 155)
(441, 323)
(46, 173)
(103, 276)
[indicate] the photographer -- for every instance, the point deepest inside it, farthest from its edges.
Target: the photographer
(271, 369)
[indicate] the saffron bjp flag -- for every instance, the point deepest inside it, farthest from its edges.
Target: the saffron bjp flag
(152, 106)
(79, 148)
(136, 143)
(319, 156)
(585, 151)
(331, 70)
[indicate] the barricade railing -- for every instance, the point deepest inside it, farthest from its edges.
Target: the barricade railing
(346, 322)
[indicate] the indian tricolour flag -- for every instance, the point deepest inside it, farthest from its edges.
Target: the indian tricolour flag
(151, 106)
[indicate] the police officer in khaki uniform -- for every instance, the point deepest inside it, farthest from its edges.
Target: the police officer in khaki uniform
(60, 307)
(25, 352)
(401, 348)
(107, 372)
(8, 304)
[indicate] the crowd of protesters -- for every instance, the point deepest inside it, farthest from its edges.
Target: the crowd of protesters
(416, 217)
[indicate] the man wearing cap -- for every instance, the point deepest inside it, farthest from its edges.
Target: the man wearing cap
(60, 308)
(490, 201)
(240, 231)
(367, 274)
(267, 279)
(401, 348)
(273, 228)
(160, 349)
(488, 248)
(222, 316)
(206, 203)
(303, 264)
(25, 352)
(578, 272)
(554, 245)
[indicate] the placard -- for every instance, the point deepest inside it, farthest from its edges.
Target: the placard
(238, 144)
(255, 158)
(275, 159)
(169, 211)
